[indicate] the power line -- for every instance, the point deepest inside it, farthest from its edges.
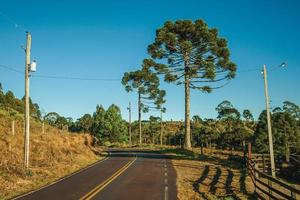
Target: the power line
(60, 77)
(75, 78)
(96, 79)
(249, 70)
(11, 69)
(10, 20)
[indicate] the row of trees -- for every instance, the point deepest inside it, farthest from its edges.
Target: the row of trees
(233, 129)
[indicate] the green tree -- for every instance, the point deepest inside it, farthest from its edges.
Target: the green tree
(154, 127)
(115, 125)
(62, 123)
(85, 123)
(195, 55)
(291, 108)
(10, 99)
(285, 132)
(146, 83)
(98, 128)
(231, 119)
(247, 115)
(51, 118)
(246, 128)
(226, 111)
(108, 125)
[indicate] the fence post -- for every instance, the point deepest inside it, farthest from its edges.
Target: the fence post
(255, 176)
(293, 194)
(269, 187)
(255, 171)
(249, 150)
(264, 163)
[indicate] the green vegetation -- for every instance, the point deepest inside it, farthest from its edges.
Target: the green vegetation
(10, 103)
(286, 131)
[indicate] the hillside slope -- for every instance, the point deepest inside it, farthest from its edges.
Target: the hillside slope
(52, 155)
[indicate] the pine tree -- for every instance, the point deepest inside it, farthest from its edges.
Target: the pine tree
(146, 83)
(196, 57)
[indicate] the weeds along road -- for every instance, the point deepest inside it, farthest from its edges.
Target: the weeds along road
(123, 175)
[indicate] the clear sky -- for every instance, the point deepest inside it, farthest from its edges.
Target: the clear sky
(104, 39)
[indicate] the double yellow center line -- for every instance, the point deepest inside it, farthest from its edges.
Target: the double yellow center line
(102, 185)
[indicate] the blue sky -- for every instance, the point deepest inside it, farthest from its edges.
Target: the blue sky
(104, 39)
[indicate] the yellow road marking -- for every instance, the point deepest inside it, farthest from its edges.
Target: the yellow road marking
(100, 187)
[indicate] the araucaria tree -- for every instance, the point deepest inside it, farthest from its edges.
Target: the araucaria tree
(194, 55)
(146, 83)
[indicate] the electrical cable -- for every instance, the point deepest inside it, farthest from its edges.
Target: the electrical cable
(10, 20)
(61, 77)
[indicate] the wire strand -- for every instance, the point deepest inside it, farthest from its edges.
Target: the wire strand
(11, 69)
(61, 77)
(75, 78)
(10, 20)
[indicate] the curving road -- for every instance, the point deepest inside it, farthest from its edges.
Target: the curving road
(123, 175)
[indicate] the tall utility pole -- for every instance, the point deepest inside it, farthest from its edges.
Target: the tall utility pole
(129, 127)
(140, 117)
(27, 70)
(269, 123)
(161, 128)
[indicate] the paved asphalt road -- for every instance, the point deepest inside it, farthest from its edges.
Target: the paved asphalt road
(124, 175)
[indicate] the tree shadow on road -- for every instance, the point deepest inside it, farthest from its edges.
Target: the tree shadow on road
(229, 179)
(243, 188)
(215, 181)
(197, 183)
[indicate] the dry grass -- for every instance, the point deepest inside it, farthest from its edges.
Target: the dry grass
(52, 155)
(217, 176)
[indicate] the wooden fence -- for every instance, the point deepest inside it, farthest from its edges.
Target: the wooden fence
(267, 187)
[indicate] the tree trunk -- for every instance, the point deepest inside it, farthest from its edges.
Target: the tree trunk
(187, 109)
(161, 129)
(153, 138)
(140, 121)
(244, 149)
(287, 149)
(287, 152)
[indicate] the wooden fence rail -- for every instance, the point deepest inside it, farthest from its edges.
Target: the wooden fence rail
(267, 187)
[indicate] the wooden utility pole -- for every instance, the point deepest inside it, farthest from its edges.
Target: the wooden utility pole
(140, 116)
(129, 127)
(161, 128)
(269, 123)
(27, 70)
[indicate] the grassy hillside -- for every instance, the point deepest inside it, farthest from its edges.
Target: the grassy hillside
(52, 155)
